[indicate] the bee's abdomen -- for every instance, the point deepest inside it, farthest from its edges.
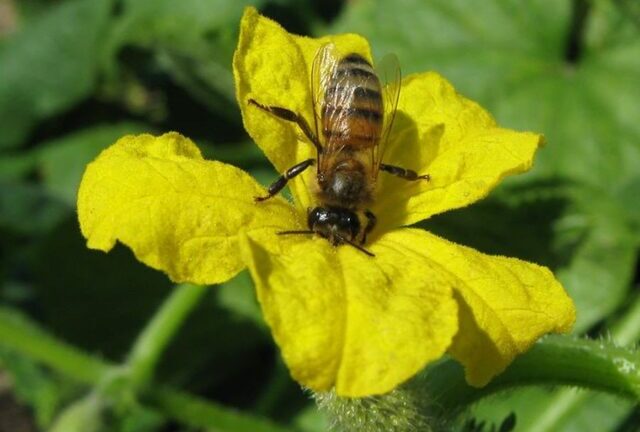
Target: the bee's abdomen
(352, 113)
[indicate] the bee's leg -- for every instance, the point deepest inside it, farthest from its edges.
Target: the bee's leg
(288, 115)
(404, 173)
(371, 223)
(281, 182)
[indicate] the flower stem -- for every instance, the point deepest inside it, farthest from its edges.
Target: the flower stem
(159, 332)
(556, 360)
(20, 335)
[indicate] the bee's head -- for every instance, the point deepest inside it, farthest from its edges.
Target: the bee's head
(339, 225)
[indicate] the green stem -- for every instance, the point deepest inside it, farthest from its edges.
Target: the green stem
(18, 334)
(197, 412)
(556, 360)
(159, 332)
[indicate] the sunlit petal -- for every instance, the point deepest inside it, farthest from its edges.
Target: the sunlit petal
(178, 212)
(505, 304)
(451, 138)
(344, 319)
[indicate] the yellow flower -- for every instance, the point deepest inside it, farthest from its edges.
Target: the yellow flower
(342, 320)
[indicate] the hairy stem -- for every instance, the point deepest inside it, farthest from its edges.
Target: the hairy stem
(434, 399)
(556, 360)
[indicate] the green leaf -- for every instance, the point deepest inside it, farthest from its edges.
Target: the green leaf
(628, 194)
(157, 22)
(15, 167)
(600, 272)
(194, 40)
(28, 210)
(49, 66)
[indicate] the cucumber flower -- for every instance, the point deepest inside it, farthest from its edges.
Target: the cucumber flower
(343, 320)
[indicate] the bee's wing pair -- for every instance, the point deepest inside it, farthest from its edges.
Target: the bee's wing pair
(323, 74)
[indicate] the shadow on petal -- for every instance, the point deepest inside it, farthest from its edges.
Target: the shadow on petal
(473, 347)
(411, 150)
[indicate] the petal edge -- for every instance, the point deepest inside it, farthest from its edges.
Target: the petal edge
(178, 212)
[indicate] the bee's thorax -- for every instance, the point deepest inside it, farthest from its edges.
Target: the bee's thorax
(345, 185)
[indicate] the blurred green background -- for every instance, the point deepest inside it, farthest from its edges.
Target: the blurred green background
(77, 74)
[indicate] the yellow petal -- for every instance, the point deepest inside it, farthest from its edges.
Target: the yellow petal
(177, 212)
(343, 319)
(274, 68)
(505, 304)
(456, 142)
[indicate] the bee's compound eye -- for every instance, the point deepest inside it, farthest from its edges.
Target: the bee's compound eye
(317, 215)
(354, 223)
(349, 222)
(347, 219)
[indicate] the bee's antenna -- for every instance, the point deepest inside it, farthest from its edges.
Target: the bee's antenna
(342, 239)
(349, 242)
(296, 232)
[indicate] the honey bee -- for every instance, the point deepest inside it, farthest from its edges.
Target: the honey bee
(354, 107)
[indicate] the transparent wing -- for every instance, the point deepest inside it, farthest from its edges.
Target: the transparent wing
(388, 71)
(323, 68)
(329, 90)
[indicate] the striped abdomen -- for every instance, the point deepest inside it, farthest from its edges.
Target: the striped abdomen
(352, 110)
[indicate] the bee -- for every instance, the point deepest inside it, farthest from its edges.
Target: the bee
(353, 111)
